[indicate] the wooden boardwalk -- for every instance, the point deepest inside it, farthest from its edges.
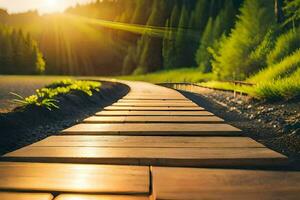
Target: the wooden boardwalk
(152, 144)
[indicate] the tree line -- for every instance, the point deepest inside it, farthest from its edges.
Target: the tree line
(19, 53)
(232, 39)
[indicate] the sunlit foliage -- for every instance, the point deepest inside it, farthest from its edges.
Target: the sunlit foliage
(46, 97)
(256, 18)
(285, 45)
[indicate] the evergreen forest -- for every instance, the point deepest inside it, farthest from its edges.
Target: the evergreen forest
(248, 40)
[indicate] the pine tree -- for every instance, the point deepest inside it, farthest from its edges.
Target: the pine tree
(19, 54)
(169, 48)
(212, 33)
(182, 42)
(256, 18)
(202, 55)
(142, 11)
(151, 51)
(292, 13)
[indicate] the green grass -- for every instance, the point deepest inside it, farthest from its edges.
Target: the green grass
(277, 82)
(285, 88)
(281, 70)
(46, 97)
(191, 75)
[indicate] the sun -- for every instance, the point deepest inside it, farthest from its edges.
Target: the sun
(50, 6)
(52, 3)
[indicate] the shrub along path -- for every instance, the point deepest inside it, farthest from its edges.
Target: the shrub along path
(152, 144)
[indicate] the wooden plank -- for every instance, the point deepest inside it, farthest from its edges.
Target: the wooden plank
(155, 95)
(181, 157)
(155, 92)
(99, 197)
(154, 113)
(154, 100)
(151, 97)
(105, 119)
(153, 129)
(147, 141)
(130, 108)
(227, 184)
(159, 104)
(76, 178)
(25, 196)
(154, 119)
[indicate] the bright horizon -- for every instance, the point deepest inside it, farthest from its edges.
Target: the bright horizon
(42, 6)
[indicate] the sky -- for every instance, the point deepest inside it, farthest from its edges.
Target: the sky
(43, 6)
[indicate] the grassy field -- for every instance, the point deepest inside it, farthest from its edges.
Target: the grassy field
(22, 85)
(191, 75)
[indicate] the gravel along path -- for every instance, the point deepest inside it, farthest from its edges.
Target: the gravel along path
(22, 127)
(277, 125)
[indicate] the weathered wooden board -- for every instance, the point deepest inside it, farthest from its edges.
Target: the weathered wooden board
(154, 119)
(74, 178)
(148, 141)
(154, 129)
(132, 108)
(154, 113)
(163, 104)
(182, 157)
(25, 196)
(197, 184)
(99, 197)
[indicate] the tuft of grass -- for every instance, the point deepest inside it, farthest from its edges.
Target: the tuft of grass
(45, 97)
(192, 75)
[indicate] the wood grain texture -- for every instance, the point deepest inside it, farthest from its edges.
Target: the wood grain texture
(153, 100)
(151, 97)
(197, 184)
(25, 196)
(153, 129)
(148, 141)
(156, 104)
(154, 119)
(194, 157)
(74, 178)
(99, 197)
(154, 113)
(153, 108)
